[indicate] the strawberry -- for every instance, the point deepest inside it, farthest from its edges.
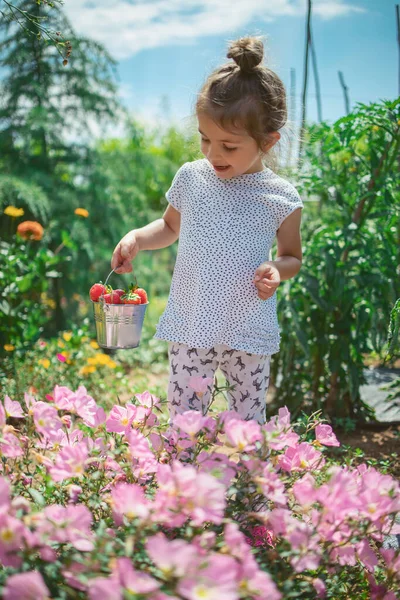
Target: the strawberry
(131, 298)
(119, 292)
(112, 298)
(143, 295)
(96, 291)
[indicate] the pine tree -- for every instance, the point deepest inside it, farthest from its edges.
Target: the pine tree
(46, 109)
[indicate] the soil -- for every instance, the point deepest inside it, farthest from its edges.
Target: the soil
(379, 441)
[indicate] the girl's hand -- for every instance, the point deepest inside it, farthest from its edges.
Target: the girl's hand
(125, 251)
(267, 279)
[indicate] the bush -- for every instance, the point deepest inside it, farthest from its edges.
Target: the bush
(124, 505)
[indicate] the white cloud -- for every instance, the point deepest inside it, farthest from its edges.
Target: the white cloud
(127, 26)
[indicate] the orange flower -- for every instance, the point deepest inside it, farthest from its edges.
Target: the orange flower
(81, 212)
(30, 230)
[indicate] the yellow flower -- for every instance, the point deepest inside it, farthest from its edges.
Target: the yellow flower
(94, 344)
(112, 364)
(44, 362)
(61, 344)
(8, 347)
(102, 359)
(47, 301)
(92, 360)
(12, 211)
(88, 369)
(67, 335)
(81, 212)
(375, 128)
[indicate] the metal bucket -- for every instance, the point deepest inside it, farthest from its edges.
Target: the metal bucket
(118, 326)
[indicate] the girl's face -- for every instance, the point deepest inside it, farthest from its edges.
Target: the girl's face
(231, 154)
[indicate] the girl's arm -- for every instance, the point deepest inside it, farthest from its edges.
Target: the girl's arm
(288, 261)
(158, 234)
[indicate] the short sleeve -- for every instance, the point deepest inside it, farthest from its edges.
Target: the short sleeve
(289, 201)
(177, 192)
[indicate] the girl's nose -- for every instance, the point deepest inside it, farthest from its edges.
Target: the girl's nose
(213, 154)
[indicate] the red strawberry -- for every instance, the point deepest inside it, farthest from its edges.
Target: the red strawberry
(96, 291)
(143, 295)
(119, 292)
(112, 298)
(131, 298)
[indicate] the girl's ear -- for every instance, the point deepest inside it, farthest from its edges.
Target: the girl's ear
(271, 140)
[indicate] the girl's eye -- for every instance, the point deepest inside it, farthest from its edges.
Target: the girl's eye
(204, 140)
(229, 149)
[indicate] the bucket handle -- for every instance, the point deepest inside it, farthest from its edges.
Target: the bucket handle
(105, 306)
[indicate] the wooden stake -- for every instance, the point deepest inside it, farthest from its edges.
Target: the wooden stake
(345, 92)
(292, 112)
(316, 79)
(305, 79)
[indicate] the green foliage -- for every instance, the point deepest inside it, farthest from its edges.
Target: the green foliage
(336, 311)
(26, 270)
(15, 191)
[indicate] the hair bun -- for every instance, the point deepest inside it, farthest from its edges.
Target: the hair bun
(247, 53)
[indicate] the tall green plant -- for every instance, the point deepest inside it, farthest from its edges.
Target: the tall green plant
(336, 311)
(45, 112)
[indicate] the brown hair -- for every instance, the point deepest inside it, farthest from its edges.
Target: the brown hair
(245, 94)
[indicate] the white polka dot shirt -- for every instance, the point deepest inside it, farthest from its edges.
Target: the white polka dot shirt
(227, 231)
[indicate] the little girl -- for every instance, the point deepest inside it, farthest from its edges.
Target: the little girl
(226, 209)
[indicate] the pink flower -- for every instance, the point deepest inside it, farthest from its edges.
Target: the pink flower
(61, 357)
(260, 536)
(243, 434)
(261, 587)
(12, 533)
(217, 580)
(46, 419)
(148, 400)
(10, 446)
(84, 406)
(217, 465)
(200, 384)
(171, 557)
(26, 586)
(120, 418)
(366, 555)
(325, 435)
(64, 524)
(129, 500)
(302, 457)
(74, 492)
(379, 592)
(139, 445)
(13, 408)
(279, 433)
(106, 588)
(64, 398)
(304, 490)
(271, 485)
(70, 462)
(4, 495)
(183, 493)
(191, 422)
(319, 587)
(2, 415)
(392, 561)
(134, 581)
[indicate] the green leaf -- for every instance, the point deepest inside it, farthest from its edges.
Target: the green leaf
(37, 497)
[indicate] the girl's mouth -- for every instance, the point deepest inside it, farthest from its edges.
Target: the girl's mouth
(220, 168)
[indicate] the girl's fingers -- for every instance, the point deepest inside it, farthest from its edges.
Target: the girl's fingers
(266, 285)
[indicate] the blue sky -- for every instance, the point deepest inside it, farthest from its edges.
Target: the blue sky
(166, 48)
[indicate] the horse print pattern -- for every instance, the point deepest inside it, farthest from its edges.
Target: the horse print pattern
(247, 376)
